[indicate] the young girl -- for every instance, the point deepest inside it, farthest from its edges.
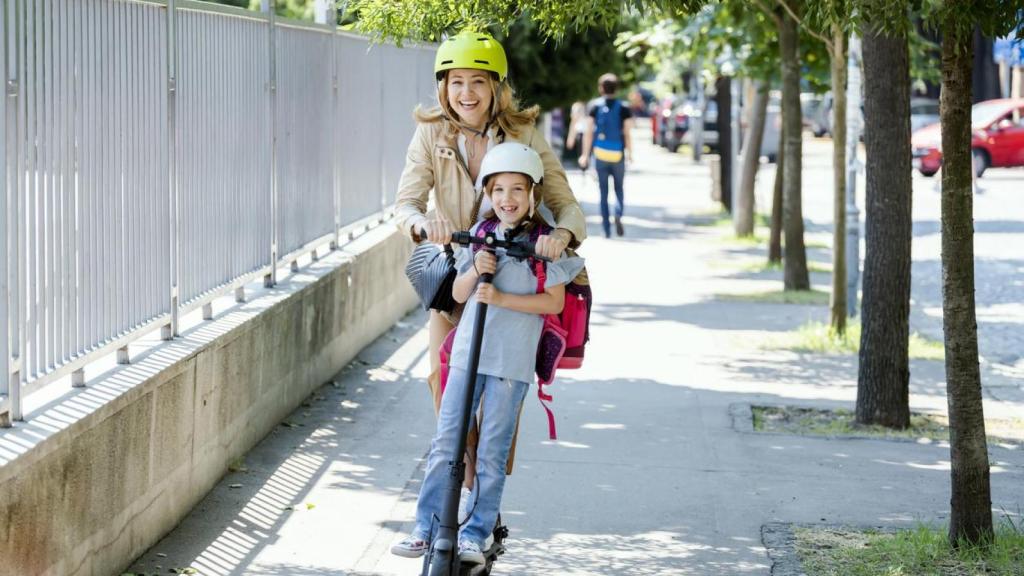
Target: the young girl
(507, 354)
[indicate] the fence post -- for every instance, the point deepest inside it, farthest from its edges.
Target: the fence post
(268, 8)
(335, 120)
(16, 310)
(171, 330)
(5, 256)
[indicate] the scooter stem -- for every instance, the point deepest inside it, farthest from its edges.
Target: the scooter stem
(444, 553)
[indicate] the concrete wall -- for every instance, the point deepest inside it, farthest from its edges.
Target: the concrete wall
(89, 498)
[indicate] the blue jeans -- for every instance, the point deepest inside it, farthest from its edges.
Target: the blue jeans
(617, 170)
(502, 398)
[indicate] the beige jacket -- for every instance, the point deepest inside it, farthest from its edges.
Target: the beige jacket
(433, 162)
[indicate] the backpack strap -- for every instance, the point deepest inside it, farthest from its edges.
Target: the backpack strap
(539, 266)
(540, 271)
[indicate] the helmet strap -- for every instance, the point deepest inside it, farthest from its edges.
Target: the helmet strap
(532, 186)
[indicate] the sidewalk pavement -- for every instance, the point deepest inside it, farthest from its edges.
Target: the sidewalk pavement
(655, 471)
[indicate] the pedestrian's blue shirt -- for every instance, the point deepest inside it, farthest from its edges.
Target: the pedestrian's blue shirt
(509, 348)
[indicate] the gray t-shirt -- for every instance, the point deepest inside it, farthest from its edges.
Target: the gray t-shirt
(509, 347)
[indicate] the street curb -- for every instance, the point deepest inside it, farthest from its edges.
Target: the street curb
(742, 417)
(780, 543)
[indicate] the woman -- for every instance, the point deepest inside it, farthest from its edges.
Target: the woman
(477, 109)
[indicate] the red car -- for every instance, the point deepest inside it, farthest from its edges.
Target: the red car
(997, 138)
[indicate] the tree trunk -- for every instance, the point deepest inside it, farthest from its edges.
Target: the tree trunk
(795, 253)
(723, 97)
(775, 236)
(838, 302)
(971, 499)
(743, 216)
(884, 374)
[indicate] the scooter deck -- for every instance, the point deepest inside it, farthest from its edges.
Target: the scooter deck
(496, 549)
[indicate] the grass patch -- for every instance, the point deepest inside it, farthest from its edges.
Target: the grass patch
(762, 265)
(718, 218)
(820, 422)
(831, 423)
(723, 219)
(813, 266)
(918, 552)
(754, 240)
(819, 337)
(806, 297)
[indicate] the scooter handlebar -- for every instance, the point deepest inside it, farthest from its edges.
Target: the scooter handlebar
(515, 248)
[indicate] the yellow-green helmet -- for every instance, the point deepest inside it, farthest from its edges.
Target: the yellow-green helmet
(469, 49)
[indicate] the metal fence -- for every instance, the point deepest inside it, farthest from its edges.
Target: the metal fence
(157, 154)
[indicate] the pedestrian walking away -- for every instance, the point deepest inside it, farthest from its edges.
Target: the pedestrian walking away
(477, 109)
(506, 356)
(609, 139)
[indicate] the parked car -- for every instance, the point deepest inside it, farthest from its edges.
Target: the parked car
(923, 112)
(816, 113)
(710, 136)
(676, 125)
(772, 126)
(659, 115)
(997, 138)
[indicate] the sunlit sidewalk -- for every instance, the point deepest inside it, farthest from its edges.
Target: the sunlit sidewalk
(655, 471)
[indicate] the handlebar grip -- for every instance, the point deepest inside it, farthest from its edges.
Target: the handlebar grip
(463, 238)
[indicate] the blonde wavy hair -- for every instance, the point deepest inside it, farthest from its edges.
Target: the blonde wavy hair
(505, 111)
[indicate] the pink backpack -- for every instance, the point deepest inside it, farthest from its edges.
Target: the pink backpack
(562, 338)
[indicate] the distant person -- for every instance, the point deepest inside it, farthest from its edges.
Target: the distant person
(637, 104)
(579, 123)
(608, 136)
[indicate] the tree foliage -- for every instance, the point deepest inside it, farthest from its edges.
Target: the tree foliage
(294, 9)
(554, 74)
(429, 20)
(721, 31)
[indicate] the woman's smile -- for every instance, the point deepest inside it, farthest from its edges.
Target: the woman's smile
(469, 95)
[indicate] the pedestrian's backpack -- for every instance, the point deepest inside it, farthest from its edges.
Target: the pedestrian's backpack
(608, 139)
(563, 336)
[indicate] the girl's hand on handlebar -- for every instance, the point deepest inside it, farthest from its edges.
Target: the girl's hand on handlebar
(437, 230)
(488, 294)
(485, 262)
(551, 246)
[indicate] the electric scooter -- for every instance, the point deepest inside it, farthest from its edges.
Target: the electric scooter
(443, 557)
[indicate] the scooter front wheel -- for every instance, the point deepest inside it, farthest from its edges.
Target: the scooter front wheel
(442, 560)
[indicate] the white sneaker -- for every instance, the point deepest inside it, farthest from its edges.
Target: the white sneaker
(469, 552)
(465, 504)
(410, 547)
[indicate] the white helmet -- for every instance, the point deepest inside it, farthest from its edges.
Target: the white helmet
(512, 157)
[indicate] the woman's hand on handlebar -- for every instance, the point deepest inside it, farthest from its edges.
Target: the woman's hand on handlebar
(436, 231)
(551, 246)
(485, 262)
